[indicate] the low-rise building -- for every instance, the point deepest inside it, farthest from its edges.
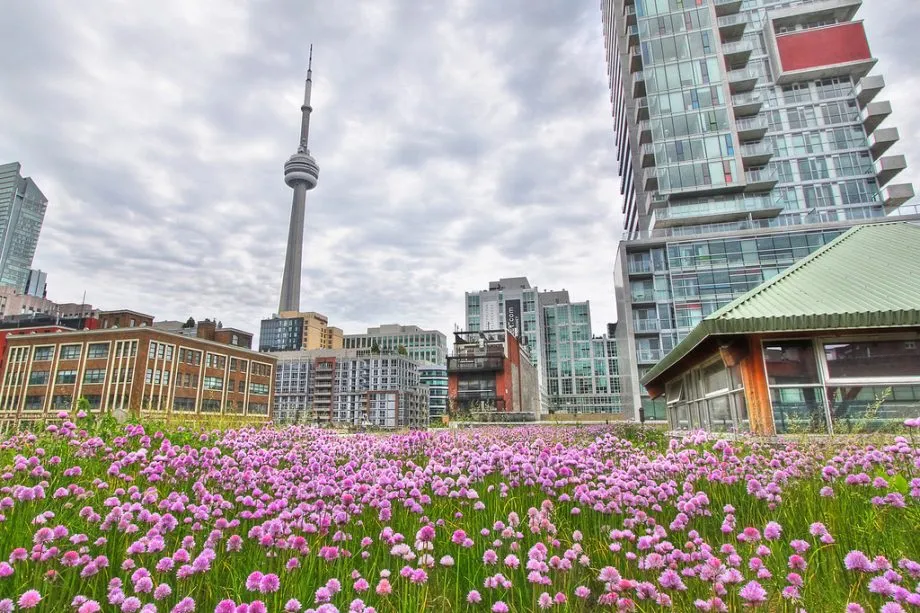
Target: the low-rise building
(491, 377)
(208, 330)
(342, 388)
(124, 318)
(428, 346)
(16, 305)
(140, 371)
(831, 345)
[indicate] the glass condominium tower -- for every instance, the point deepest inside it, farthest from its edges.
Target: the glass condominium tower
(748, 135)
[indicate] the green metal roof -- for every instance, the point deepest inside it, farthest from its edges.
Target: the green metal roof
(868, 277)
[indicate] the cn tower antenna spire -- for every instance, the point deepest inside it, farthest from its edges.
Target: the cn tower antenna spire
(301, 174)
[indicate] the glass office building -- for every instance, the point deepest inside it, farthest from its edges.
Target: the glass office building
(748, 135)
(435, 377)
(22, 212)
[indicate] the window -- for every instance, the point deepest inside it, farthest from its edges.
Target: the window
(872, 359)
(97, 351)
(66, 377)
(258, 388)
(43, 353)
(213, 383)
(39, 377)
(94, 375)
(791, 363)
(70, 352)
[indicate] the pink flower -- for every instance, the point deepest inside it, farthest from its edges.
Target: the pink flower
(582, 592)
(500, 607)
(474, 597)
(131, 604)
(545, 601)
(857, 560)
(383, 587)
(292, 606)
(162, 591)
(253, 580)
(29, 599)
(6, 570)
(90, 606)
(772, 531)
(269, 583)
(186, 605)
(753, 593)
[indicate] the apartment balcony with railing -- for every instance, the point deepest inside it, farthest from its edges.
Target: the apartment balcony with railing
(646, 326)
(752, 128)
(640, 295)
(647, 155)
(732, 27)
(474, 364)
(638, 84)
(738, 53)
(629, 12)
(727, 7)
(746, 104)
(642, 113)
(649, 356)
(640, 267)
(715, 212)
(761, 179)
(742, 80)
(635, 59)
(756, 154)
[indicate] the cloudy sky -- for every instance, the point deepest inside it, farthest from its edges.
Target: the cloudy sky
(459, 142)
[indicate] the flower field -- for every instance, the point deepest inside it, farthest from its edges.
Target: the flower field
(521, 519)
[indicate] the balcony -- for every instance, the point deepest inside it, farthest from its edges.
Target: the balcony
(648, 296)
(868, 88)
(646, 326)
(656, 200)
(758, 154)
(761, 180)
(474, 364)
(650, 177)
(731, 27)
(727, 7)
(635, 60)
(629, 11)
(742, 80)
(888, 167)
(638, 84)
(737, 53)
(740, 209)
(642, 109)
(640, 267)
(895, 195)
(874, 114)
(752, 128)
(647, 155)
(645, 132)
(649, 356)
(882, 140)
(747, 104)
(632, 33)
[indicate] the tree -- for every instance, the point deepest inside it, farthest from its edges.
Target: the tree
(402, 350)
(375, 348)
(189, 323)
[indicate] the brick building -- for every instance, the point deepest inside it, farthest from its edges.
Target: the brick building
(208, 330)
(135, 370)
(124, 319)
(492, 377)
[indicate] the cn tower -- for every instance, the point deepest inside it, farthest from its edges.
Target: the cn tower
(301, 174)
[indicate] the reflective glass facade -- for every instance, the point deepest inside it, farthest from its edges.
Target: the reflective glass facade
(737, 167)
(435, 377)
(582, 375)
(22, 211)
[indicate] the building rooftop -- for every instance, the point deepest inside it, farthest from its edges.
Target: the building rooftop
(863, 279)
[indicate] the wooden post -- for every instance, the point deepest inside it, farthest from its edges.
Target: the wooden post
(756, 391)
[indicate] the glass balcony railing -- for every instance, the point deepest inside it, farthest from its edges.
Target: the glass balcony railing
(640, 267)
(762, 175)
(737, 21)
(738, 47)
(646, 325)
(649, 355)
(752, 124)
(756, 150)
(650, 295)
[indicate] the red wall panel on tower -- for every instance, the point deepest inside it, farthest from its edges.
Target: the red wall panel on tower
(839, 44)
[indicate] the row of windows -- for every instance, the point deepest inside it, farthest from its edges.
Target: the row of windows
(160, 351)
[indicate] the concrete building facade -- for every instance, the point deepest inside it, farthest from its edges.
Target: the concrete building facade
(343, 389)
(22, 212)
(139, 371)
(428, 346)
(748, 136)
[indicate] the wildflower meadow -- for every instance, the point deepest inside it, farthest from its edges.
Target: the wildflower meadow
(533, 518)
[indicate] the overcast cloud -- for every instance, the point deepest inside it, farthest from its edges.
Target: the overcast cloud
(458, 142)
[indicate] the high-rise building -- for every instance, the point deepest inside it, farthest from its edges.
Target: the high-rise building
(509, 304)
(292, 331)
(36, 283)
(22, 211)
(301, 174)
(342, 388)
(582, 375)
(428, 346)
(748, 136)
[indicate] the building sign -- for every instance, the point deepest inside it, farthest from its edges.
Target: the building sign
(513, 317)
